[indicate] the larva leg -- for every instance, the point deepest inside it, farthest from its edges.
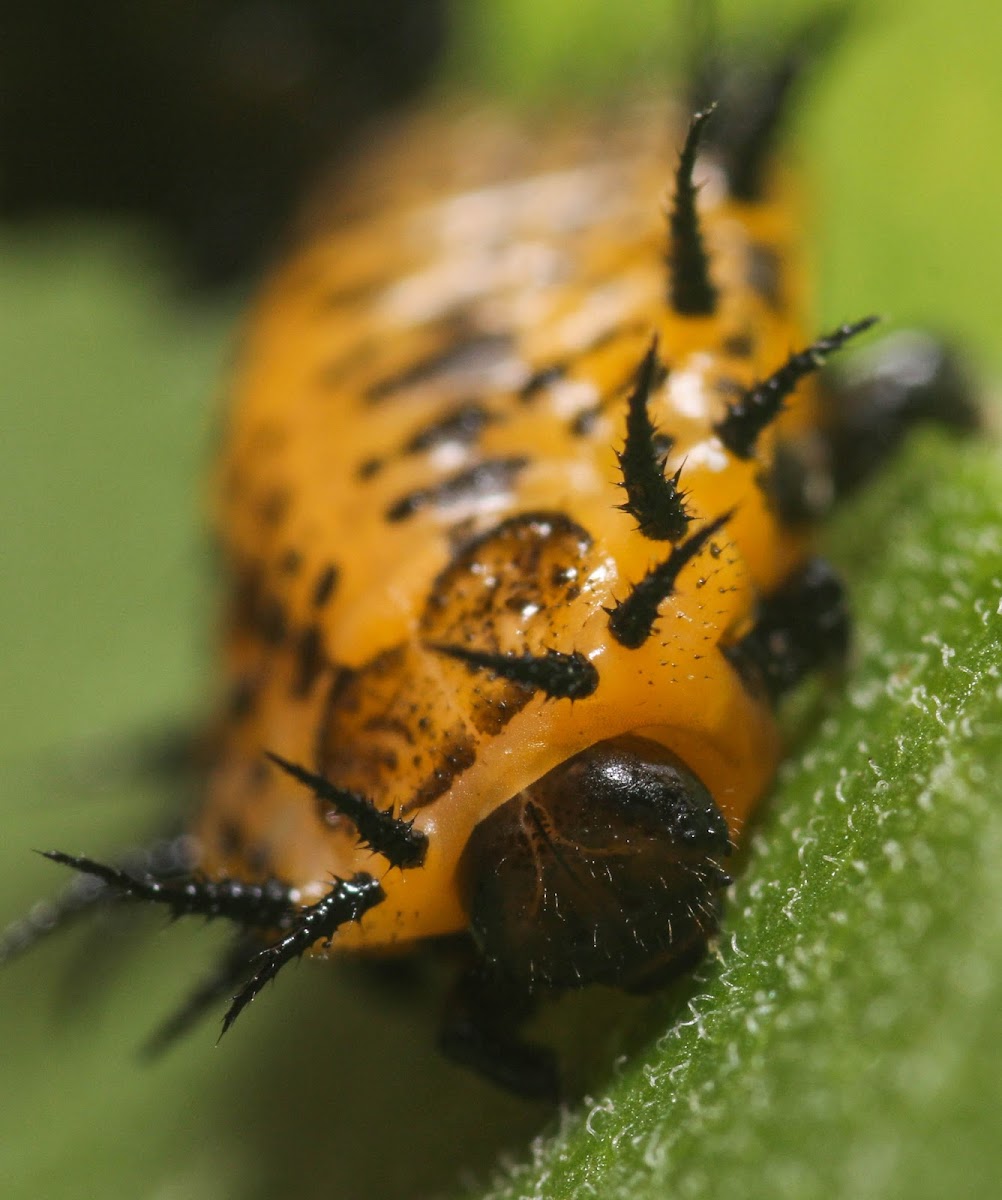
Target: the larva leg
(480, 1031)
(802, 627)
(906, 379)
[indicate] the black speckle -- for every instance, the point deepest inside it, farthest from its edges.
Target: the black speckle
(369, 468)
(242, 698)
(231, 838)
(272, 621)
(764, 274)
(323, 589)
(290, 562)
(738, 345)
(273, 507)
(310, 661)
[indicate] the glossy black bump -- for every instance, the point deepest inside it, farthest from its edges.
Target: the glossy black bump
(631, 621)
(691, 292)
(746, 418)
(654, 500)
(559, 676)
(395, 839)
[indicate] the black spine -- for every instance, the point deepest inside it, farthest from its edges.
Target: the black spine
(754, 103)
(760, 405)
(690, 290)
(349, 900)
(395, 839)
(171, 858)
(261, 906)
(654, 500)
(560, 676)
(632, 620)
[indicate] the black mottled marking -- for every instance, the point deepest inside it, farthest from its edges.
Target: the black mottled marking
(324, 587)
(310, 661)
(396, 840)
(455, 758)
(632, 620)
(463, 355)
(461, 425)
(761, 404)
(559, 676)
(654, 500)
(492, 477)
(803, 626)
(764, 274)
(690, 290)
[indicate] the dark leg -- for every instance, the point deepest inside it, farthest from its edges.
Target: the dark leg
(802, 627)
(906, 379)
(233, 969)
(480, 1031)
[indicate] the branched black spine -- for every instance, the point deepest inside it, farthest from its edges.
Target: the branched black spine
(760, 405)
(348, 900)
(253, 905)
(654, 500)
(394, 838)
(690, 290)
(560, 676)
(632, 620)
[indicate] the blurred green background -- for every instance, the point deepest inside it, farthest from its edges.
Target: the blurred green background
(330, 1089)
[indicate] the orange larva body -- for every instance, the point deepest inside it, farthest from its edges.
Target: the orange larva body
(515, 499)
(464, 301)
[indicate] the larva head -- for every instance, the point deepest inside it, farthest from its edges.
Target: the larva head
(607, 867)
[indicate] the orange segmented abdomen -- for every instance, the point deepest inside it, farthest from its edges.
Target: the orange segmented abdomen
(422, 480)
